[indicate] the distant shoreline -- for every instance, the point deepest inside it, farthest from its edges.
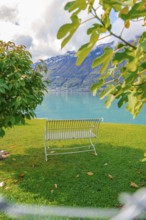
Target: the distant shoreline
(68, 90)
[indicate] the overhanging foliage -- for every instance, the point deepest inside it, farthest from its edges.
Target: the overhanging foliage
(128, 84)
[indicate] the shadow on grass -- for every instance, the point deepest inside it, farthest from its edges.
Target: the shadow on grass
(73, 180)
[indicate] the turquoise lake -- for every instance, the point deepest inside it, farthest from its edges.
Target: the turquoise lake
(80, 105)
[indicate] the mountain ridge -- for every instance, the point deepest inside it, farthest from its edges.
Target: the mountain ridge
(63, 73)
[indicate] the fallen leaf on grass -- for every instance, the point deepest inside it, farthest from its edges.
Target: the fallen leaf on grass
(2, 184)
(138, 171)
(110, 176)
(21, 175)
(56, 186)
(4, 154)
(134, 185)
(8, 187)
(13, 159)
(90, 174)
(15, 181)
(52, 152)
(142, 183)
(77, 176)
(143, 160)
(119, 206)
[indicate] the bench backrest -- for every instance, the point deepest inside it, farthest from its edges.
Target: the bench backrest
(71, 126)
(57, 123)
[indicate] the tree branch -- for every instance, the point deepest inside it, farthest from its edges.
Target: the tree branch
(104, 37)
(98, 7)
(88, 20)
(112, 81)
(113, 34)
(122, 31)
(120, 38)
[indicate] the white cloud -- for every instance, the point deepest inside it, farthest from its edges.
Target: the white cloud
(24, 40)
(8, 13)
(33, 23)
(135, 30)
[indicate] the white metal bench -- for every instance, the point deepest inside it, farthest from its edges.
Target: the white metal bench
(71, 129)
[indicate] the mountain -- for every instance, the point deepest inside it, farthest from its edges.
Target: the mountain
(64, 74)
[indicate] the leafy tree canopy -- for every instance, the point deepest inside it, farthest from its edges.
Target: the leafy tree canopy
(21, 87)
(123, 68)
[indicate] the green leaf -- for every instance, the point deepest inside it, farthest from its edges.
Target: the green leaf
(91, 3)
(2, 90)
(109, 100)
(63, 31)
(69, 5)
(123, 100)
(143, 45)
(129, 2)
(127, 24)
(84, 51)
(18, 100)
(2, 132)
(137, 11)
(109, 89)
(124, 10)
(142, 42)
(115, 4)
(120, 45)
(103, 59)
(130, 55)
(143, 89)
(95, 87)
(106, 21)
(119, 57)
(10, 120)
(96, 27)
(133, 64)
(66, 40)
(76, 6)
(134, 104)
(69, 30)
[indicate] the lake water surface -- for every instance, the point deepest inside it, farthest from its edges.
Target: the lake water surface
(79, 105)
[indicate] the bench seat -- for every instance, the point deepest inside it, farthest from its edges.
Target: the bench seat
(70, 135)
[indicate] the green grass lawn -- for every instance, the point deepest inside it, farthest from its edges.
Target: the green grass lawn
(63, 179)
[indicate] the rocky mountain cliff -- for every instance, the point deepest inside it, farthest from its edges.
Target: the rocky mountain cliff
(64, 74)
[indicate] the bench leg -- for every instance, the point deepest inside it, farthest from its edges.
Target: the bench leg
(93, 146)
(45, 149)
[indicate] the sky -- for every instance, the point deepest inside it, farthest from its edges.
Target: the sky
(34, 23)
